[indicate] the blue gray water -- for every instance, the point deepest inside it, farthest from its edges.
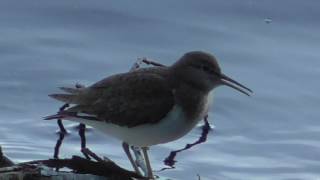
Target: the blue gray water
(271, 46)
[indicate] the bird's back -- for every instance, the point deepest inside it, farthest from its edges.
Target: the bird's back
(127, 99)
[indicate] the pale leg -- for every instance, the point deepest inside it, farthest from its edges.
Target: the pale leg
(127, 151)
(146, 157)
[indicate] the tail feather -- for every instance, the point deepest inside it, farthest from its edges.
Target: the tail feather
(81, 108)
(71, 90)
(67, 98)
(70, 115)
(56, 116)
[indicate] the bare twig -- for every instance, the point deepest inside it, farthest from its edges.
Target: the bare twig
(62, 133)
(61, 127)
(146, 61)
(88, 152)
(199, 177)
(170, 160)
(150, 62)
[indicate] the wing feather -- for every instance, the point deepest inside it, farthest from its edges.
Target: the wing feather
(128, 99)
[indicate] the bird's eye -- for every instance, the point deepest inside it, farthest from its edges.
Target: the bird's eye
(196, 66)
(206, 68)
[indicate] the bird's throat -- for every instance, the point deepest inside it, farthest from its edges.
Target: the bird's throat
(193, 101)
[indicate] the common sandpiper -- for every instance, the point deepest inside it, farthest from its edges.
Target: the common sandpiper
(148, 106)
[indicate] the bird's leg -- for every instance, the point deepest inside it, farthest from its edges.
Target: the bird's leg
(139, 159)
(146, 157)
(128, 153)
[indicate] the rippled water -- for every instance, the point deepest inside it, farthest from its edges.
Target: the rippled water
(271, 46)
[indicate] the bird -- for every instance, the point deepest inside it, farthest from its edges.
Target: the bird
(151, 105)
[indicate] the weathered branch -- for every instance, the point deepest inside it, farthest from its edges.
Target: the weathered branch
(84, 166)
(4, 161)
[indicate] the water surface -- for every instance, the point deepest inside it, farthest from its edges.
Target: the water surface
(271, 46)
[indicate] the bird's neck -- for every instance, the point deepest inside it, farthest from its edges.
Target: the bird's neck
(192, 100)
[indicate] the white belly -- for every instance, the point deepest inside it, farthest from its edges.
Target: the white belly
(172, 127)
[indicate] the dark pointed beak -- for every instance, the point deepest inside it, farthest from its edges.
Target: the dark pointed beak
(225, 80)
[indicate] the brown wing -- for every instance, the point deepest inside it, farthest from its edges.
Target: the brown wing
(128, 99)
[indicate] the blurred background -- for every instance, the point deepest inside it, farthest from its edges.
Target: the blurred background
(270, 46)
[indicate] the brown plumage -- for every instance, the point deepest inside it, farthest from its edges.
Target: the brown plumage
(118, 98)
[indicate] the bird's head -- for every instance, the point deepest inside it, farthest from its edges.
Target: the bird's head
(201, 70)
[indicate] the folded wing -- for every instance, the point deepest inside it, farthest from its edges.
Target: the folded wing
(128, 99)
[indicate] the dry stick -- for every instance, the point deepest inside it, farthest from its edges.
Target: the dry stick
(137, 64)
(83, 166)
(82, 129)
(62, 133)
(88, 152)
(58, 145)
(62, 129)
(170, 160)
(199, 177)
(149, 62)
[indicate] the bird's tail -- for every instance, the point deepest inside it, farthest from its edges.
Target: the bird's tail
(71, 90)
(73, 96)
(67, 98)
(56, 116)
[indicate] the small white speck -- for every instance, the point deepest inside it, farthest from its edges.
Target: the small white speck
(268, 20)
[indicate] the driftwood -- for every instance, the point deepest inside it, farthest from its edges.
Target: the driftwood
(81, 165)
(42, 173)
(81, 168)
(4, 161)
